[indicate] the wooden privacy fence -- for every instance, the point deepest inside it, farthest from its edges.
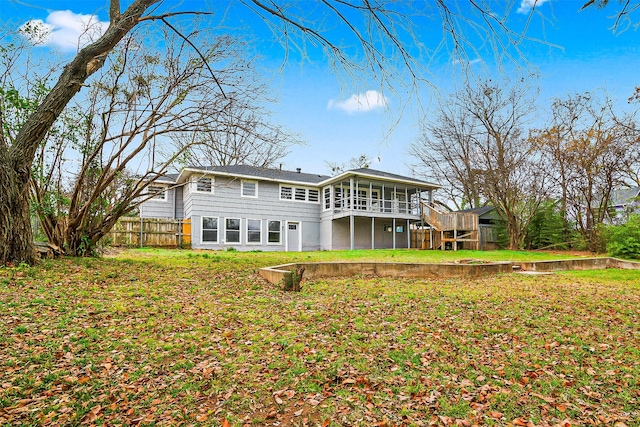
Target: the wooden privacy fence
(172, 233)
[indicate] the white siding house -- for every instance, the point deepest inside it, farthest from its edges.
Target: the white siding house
(251, 208)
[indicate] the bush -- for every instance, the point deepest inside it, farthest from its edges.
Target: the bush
(624, 240)
(546, 228)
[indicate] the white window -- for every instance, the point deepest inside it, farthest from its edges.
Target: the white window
(286, 193)
(254, 231)
(158, 191)
(274, 232)
(232, 230)
(300, 194)
(327, 198)
(209, 230)
(249, 188)
(204, 185)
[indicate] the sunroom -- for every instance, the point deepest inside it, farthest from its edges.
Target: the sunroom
(369, 209)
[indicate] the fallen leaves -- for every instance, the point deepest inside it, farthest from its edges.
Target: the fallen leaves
(120, 343)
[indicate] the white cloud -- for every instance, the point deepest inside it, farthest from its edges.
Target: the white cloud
(360, 102)
(472, 62)
(64, 29)
(526, 5)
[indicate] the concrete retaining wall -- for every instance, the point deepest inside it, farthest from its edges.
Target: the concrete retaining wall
(314, 270)
(566, 264)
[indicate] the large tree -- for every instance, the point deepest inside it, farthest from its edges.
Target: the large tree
(240, 135)
(16, 156)
(476, 144)
(86, 177)
(588, 148)
(381, 35)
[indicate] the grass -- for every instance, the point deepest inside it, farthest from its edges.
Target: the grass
(157, 337)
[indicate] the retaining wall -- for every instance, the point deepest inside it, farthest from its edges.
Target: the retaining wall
(314, 270)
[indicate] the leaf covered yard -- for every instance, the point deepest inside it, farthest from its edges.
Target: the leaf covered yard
(186, 338)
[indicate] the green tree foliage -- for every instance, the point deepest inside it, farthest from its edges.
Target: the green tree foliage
(624, 240)
(546, 228)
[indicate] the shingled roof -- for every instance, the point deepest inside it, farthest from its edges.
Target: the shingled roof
(297, 176)
(271, 174)
(388, 175)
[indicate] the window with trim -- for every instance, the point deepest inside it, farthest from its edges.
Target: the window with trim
(159, 191)
(300, 194)
(286, 193)
(274, 232)
(254, 231)
(249, 188)
(327, 198)
(204, 185)
(232, 230)
(209, 230)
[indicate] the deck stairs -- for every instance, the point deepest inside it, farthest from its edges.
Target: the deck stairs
(453, 230)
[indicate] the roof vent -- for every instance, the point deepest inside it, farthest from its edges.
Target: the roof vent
(298, 170)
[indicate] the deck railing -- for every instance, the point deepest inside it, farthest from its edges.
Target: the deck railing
(375, 205)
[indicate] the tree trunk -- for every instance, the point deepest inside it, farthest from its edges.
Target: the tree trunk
(16, 160)
(16, 235)
(515, 234)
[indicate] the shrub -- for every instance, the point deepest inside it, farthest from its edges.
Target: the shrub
(624, 240)
(546, 228)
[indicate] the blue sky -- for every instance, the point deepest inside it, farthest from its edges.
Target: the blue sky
(578, 52)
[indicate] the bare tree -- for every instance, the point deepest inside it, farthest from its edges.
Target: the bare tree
(141, 100)
(360, 162)
(445, 151)
(588, 149)
(477, 146)
(240, 135)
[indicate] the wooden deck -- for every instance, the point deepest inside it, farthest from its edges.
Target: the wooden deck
(460, 229)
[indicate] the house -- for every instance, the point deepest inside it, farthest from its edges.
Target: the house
(252, 208)
(624, 201)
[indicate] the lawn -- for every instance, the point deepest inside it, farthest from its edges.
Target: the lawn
(156, 337)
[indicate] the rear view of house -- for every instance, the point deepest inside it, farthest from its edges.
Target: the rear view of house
(251, 208)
